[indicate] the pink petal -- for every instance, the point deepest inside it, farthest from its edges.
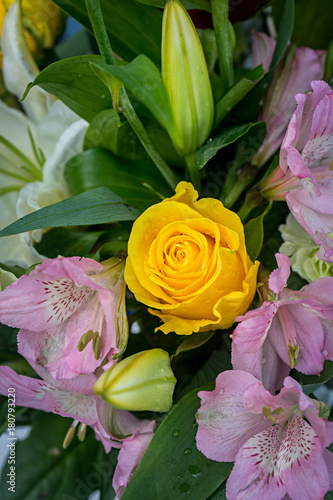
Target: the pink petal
(300, 463)
(320, 293)
(129, 457)
(296, 324)
(279, 277)
(262, 49)
(255, 475)
(48, 296)
(319, 148)
(223, 426)
(328, 457)
(250, 334)
(46, 349)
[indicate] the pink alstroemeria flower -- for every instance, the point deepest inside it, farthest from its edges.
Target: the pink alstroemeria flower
(304, 178)
(74, 307)
(293, 75)
(291, 329)
(277, 453)
(75, 399)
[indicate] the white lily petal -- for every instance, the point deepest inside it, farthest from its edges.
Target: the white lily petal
(70, 144)
(6, 279)
(14, 127)
(51, 126)
(19, 67)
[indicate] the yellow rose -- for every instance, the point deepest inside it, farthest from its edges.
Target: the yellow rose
(188, 259)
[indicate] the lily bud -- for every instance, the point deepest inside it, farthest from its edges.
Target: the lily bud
(142, 382)
(186, 79)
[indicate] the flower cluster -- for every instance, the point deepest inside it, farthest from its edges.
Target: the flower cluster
(143, 193)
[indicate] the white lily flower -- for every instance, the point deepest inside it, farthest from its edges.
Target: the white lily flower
(34, 149)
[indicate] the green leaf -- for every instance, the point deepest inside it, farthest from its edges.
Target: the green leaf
(98, 206)
(284, 32)
(144, 80)
(98, 167)
(313, 23)
(220, 493)
(193, 341)
(188, 4)
(133, 28)
(172, 466)
(254, 234)
(45, 470)
(311, 382)
(67, 242)
(238, 92)
(74, 83)
(224, 138)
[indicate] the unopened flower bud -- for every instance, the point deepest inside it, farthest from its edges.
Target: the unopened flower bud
(140, 382)
(186, 79)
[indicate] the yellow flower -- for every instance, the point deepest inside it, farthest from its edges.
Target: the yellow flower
(188, 259)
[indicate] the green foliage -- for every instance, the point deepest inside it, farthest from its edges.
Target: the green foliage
(45, 470)
(188, 4)
(98, 167)
(132, 27)
(98, 206)
(224, 138)
(311, 382)
(172, 465)
(254, 234)
(74, 82)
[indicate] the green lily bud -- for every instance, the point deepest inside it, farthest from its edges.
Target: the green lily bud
(186, 79)
(140, 382)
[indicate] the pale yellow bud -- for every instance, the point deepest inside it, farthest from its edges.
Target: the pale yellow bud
(186, 79)
(140, 382)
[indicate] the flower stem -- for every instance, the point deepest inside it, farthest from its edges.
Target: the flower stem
(220, 12)
(98, 25)
(193, 171)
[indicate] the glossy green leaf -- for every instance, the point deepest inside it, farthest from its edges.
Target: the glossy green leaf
(311, 382)
(285, 30)
(98, 206)
(220, 493)
(188, 4)
(172, 466)
(224, 138)
(238, 92)
(45, 470)
(144, 80)
(67, 242)
(193, 341)
(133, 28)
(254, 234)
(73, 82)
(98, 167)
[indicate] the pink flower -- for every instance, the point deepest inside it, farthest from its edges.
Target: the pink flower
(294, 74)
(74, 398)
(277, 453)
(129, 457)
(304, 178)
(70, 310)
(293, 329)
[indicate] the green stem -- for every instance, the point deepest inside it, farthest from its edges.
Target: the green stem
(244, 179)
(253, 199)
(97, 22)
(193, 171)
(141, 132)
(98, 25)
(220, 13)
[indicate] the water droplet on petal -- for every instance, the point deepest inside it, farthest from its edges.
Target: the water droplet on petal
(221, 392)
(324, 353)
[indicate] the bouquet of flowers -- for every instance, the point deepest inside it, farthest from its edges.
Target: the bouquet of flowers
(166, 249)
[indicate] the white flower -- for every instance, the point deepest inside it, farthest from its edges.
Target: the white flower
(34, 148)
